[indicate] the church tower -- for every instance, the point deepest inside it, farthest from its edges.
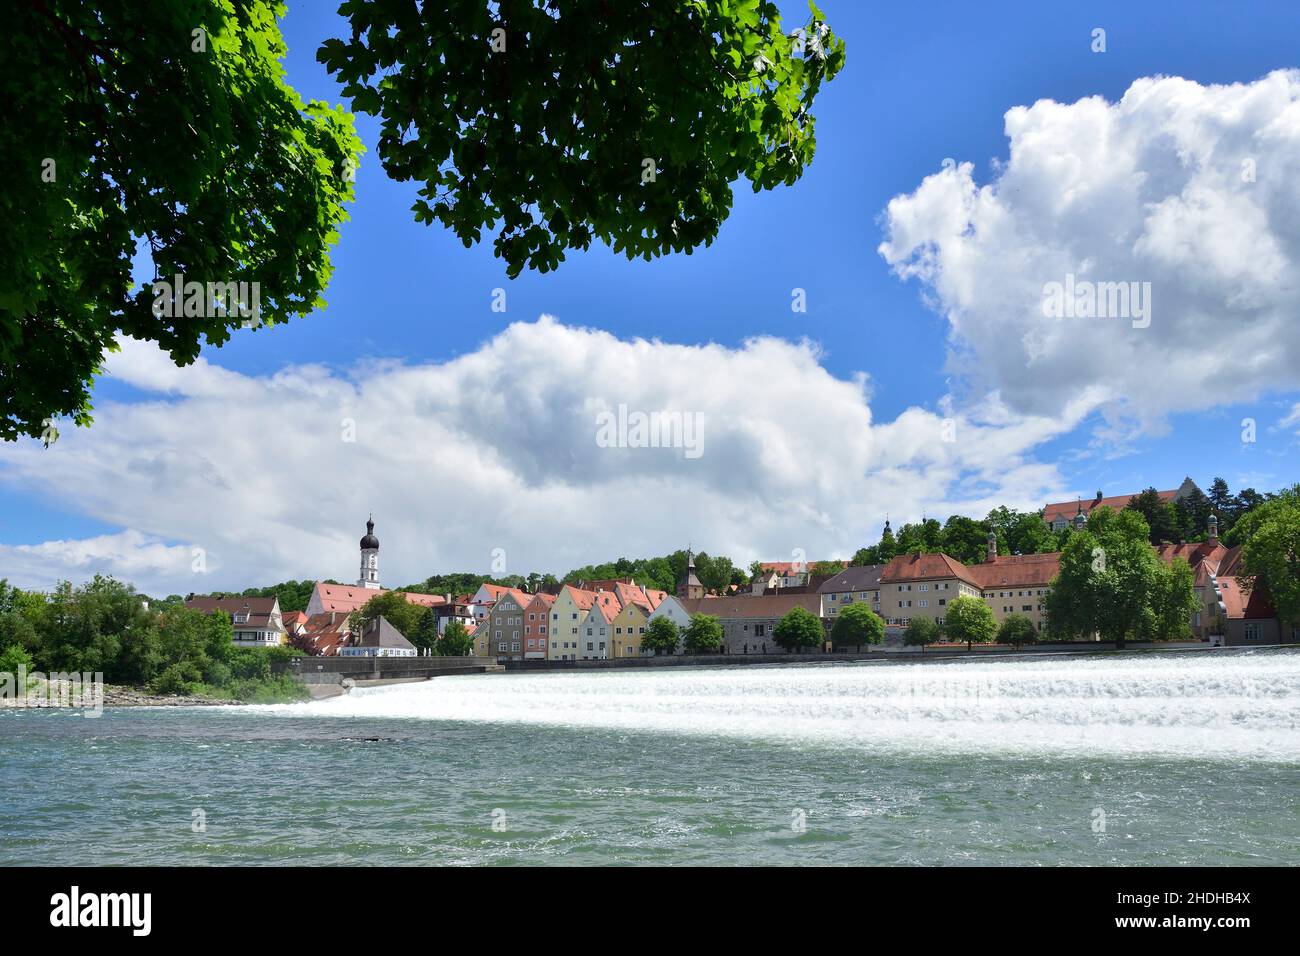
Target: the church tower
(689, 587)
(369, 558)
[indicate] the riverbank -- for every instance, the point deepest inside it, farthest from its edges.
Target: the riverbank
(64, 695)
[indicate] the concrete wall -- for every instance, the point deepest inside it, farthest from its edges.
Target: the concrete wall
(333, 669)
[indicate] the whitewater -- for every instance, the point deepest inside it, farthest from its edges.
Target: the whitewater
(1243, 706)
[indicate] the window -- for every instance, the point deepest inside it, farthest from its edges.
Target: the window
(833, 597)
(924, 603)
(589, 645)
(759, 630)
(514, 646)
(942, 601)
(1253, 632)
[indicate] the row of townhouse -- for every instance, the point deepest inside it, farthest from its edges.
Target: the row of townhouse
(586, 621)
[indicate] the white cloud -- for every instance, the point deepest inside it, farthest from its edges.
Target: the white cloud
(1155, 188)
(497, 448)
(128, 554)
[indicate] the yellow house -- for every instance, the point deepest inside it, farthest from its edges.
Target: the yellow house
(629, 627)
(568, 614)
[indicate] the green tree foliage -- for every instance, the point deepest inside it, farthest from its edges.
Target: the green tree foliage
(553, 124)
(1270, 553)
(1017, 630)
(964, 539)
(856, 625)
(103, 626)
(658, 573)
(921, 631)
(1192, 515)
(925, 537)
(14, 659)
(425, 634)
(456, 641)
(1112, 583)
(1020, 532)
(661, 636)
(799, 628)
(1160, 516)
(971, 620)
(394, 606)
(135, 129)
(703, 635)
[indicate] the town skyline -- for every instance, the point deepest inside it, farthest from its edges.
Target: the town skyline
(450, 398)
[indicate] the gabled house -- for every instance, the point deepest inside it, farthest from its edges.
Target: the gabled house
(537, 619)
(595, 630)
(567, 614)
(503, 632)
(256, 622)
(628, 628)
(672, 608)
(379, 639)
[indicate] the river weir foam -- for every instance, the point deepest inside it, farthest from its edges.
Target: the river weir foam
(1195, 705)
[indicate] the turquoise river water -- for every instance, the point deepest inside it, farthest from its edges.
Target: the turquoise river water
(1144, 758)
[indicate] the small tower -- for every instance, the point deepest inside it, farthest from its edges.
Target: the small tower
(991, 553)
(369, 558)
(689, 587)
(1080, 519)
(1213, 538)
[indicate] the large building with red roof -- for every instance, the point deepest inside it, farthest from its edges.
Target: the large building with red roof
(1062, 514)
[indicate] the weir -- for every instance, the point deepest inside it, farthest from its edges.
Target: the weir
(1182, 704)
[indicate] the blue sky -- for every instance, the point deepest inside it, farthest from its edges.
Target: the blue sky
(923, 82)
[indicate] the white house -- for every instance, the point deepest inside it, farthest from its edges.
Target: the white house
(671, 608)
(380, 639)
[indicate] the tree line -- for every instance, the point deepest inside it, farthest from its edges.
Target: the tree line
(105, 626)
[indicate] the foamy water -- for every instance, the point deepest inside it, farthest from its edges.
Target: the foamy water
(1244, 706)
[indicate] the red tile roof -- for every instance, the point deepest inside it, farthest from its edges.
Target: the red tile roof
(926, 567)
(1017, 571)
(1241, 602)
(349, 597)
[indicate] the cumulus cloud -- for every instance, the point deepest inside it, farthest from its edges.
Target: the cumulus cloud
(273, 476)
(128, 554)
(1192, 188)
